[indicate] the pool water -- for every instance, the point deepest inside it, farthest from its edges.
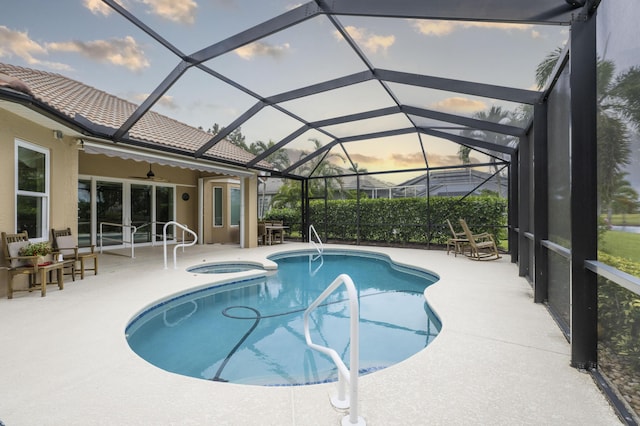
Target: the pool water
(252, 331)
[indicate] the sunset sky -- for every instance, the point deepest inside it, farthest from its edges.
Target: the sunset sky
(87, 41)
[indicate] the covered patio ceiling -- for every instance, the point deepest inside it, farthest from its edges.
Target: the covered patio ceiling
(382, 86)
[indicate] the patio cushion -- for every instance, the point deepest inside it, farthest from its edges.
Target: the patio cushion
(14, 250)
(66, 244)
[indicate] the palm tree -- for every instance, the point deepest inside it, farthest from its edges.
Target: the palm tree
(279, 159)
(323, 166)
(463, 154)
(495, 115)
(625, 199)
(618, 105)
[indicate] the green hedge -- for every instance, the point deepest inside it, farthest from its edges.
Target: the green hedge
(619, 312)
(398, 220)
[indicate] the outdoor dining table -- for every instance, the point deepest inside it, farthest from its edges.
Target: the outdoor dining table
(270, 228)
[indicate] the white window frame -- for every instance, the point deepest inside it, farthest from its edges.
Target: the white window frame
(45, 196)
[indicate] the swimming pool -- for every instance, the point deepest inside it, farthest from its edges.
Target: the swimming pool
(251, 331)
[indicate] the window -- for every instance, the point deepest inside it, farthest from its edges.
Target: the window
(32, 190)
(217, 206)
(235, 206)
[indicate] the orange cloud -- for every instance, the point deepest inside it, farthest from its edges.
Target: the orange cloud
(459, 104)
(441, 28)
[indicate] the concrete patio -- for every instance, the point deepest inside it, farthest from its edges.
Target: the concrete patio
(500, 359)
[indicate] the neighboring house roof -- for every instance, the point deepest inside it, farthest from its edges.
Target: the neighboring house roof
(456, 182)
(78, 101)
(367, 182)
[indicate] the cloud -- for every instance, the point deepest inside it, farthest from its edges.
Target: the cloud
(118, 51)
(17, 43)
(459, 104)
(180, 11)
(439, 160)
(260, 48)
(165, 100)
(98, 7)
(442, 28)
(413, 159)
(371, 42)
(365, 159)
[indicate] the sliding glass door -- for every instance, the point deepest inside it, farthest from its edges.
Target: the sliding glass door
(116, 206)
(141, 209)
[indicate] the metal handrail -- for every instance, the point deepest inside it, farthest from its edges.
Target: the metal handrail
(122, 240)
(350, 375)
(312, 258)
(319, 247)
(153, 234)
(182, 244)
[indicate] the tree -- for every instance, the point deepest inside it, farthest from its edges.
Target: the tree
(235, 137)
(495, 115)
(322, 166)
(463, 154)
(625, 198)
(618, 106)
(279, 159)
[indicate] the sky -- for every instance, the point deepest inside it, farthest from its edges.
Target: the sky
(87, 41)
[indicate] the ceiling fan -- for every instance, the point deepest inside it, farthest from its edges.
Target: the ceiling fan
(150, 176)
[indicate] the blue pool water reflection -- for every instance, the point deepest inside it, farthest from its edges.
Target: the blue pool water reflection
(252, 331)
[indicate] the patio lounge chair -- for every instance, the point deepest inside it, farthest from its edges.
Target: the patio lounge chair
(481, 246)
(458, 240)
(65, 243)
(26, 265)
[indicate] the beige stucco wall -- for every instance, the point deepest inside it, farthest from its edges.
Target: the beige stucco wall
(227, 233)
(68, 162)
(63, 157)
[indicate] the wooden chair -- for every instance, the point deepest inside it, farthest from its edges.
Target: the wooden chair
(278, 234)
(262, 233)
(26, 265)
(482, 246)
(458, 240)
(65, 243)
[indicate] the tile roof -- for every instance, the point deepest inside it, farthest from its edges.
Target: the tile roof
(70, 97)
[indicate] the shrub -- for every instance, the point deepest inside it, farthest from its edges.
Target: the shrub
(398, 220)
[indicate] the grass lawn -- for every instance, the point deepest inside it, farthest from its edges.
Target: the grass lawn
(626, 219)
(621, 244)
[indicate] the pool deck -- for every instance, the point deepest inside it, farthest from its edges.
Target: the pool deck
(500, 359)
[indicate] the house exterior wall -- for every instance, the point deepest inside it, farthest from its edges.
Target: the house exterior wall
(68, 163)
(63, 199)
(227, 232)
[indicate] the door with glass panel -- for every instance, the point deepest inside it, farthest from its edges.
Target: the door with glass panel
(84, 213)
(141, 212)
(109, 212)
(164, 211)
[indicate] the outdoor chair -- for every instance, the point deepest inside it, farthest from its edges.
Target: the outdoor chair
(262, 233)
(458, 240)
(65, 243)
(277, 234)
(26, 265)
(481, 246)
